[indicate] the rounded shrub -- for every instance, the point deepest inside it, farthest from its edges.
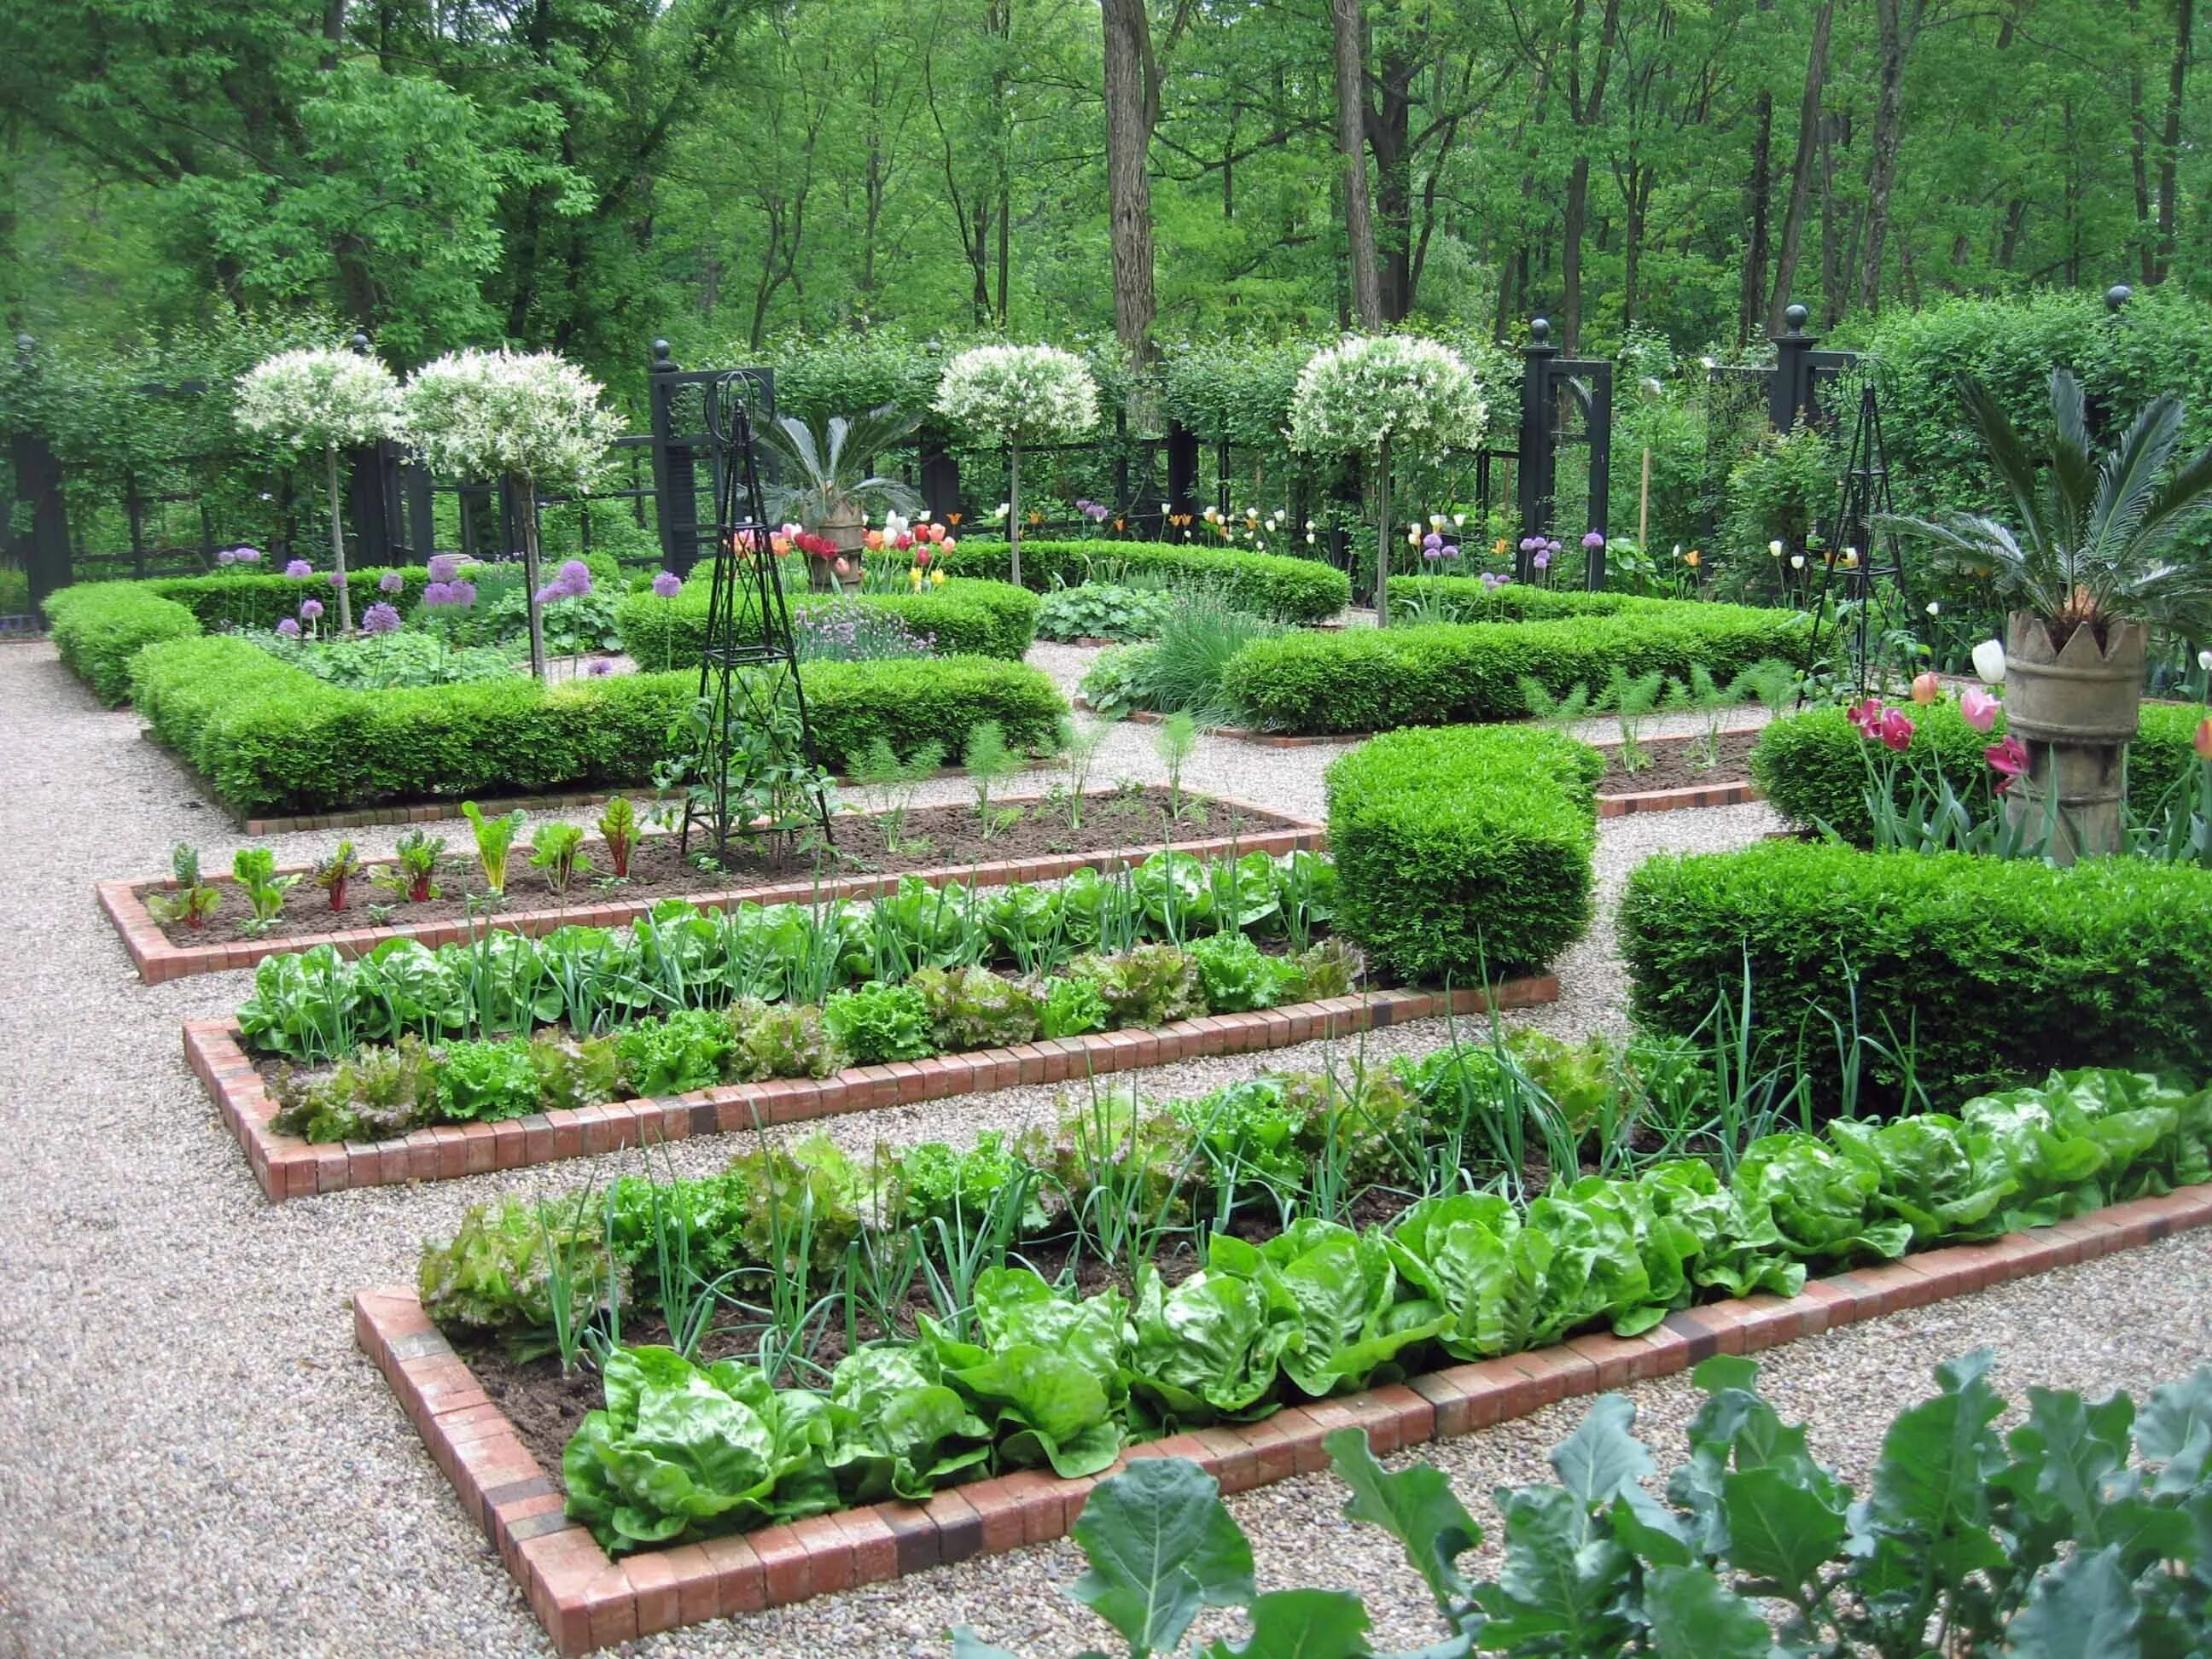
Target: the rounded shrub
(98, 627)
(966, 617)
(1272, 585)
(1464, 854)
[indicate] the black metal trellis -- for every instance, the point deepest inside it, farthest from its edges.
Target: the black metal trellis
(751, 663)
(1861, 548)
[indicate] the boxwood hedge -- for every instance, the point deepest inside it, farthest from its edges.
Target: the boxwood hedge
(268, 737)
(1290, 590)
(1813, 767)
(968, 618)
(257, 600)
(1986, 970)
(1465, 599)
(1373, 680)
(99, 627)
(1464, 852)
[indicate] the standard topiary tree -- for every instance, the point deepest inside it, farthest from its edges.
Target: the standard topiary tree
(325, 400)
(1017, 395)
(1367, 396)
(532, 418)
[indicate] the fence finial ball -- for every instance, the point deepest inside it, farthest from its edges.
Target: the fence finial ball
(1793, 317)
(2117, 296)
(25, 345)
(660, 355)
(1539, 330)
(359, 343)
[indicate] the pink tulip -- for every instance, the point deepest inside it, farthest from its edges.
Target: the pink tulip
(2009, 758)
(1977, 708)
(1896, 730)
(1926, 687)
(1867, 717)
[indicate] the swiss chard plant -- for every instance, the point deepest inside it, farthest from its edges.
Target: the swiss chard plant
(255, 871)
(557, 849)
(495, 837)
(337, 871)
(192, 901)
(617, 828)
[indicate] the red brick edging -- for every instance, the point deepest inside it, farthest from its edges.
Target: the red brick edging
(1672, 801)
(157, 960)
(288, 1167)
(584, 1600)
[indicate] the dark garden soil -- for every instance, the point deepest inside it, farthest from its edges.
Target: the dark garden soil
(1672, 764)
(933, 837)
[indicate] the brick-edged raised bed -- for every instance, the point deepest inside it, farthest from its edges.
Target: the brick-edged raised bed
(586, 1600)
(158, 960)
(1672, 800)
(288, 1167)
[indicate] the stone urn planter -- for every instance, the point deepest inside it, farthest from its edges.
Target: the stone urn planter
(848, 531)
(2076, 708)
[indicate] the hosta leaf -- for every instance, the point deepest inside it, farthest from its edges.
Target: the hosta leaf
(1161, 1545)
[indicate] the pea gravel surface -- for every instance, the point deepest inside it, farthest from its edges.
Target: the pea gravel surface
(194, 1459)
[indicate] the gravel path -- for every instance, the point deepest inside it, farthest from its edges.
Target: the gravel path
(194, 1460)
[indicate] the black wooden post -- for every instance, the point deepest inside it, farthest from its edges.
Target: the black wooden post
(45, 552)
(674, 477)
(1790, 388)
(1538, 431)
(1183, 473)
(940, 473)
(1600, 474)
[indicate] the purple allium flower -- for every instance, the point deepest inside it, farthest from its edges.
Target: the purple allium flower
(600, 667)
(299, 568)
(290, 629)
(667, 584)
(1594, 540)
(335, 579)
(1530, 543)
(1491, 579)
(437, 593)
(247, 555)
(226, 555)
(577, 575)
(1097, 511)
(310, 609)
(1450, 551)
(391, 582)
(1541, 558)
(1431, 543)
(463, 593)
(444, 567)
(379, 618)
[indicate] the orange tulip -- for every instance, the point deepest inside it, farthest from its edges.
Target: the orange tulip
(1693, 558)
(1926, 687)
(2204, 739)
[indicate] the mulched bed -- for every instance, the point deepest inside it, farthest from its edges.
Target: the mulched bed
(935, 836)
(1670, 765)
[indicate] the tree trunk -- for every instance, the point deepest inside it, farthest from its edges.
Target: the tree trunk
(2169, 149)
(1389, 135)
(1350, 31)
(337, 543)
(1014, 513)
(525, 508)
(1571, 256)
(1383, 541)
(1756, 189)
(1801, 167)
(1129, 119)
(1893, 35)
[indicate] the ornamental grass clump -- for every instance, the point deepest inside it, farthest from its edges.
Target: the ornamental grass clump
(1017, 395)
(1369, 396)
(325, 400)
(532, 418)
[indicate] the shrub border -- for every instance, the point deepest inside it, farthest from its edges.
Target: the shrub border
(288, 1167)
(585, 1598)
(157, 960)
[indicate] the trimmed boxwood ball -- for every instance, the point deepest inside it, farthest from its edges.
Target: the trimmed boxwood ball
(967, 617)
(98, 627)
(1990, 970)
(1290, 590)
(1376, 680)
(269, 737)
(1812, 767)
(1463, 852)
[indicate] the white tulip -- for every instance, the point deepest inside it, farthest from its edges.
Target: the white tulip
(2204, 662)
(1989, 662)
(1774, 547)
(1934, 609)
(1796, 561)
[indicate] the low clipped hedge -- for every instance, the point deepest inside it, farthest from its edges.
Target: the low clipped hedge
(99, 627)
(1468, 598)
(1812, 766)
(968, 618)
(1991, 970)
(1366, 679)
(261, 600)
(269, 738)
(1463, 853)
(1290, 590)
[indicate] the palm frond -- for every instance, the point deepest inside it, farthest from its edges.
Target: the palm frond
(2015, 468)
(2129, 475)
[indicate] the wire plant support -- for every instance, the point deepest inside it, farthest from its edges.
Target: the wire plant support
(1863, 561)
(751, 704)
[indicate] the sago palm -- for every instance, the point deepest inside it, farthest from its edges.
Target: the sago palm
(2097, 534)
(824, 463)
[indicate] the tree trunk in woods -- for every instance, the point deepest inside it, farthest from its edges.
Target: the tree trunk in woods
(1587, 113)
(1757, 188)
(2139, 161)
(1350, 28)
(1389, 135)
(337, 543)
(525, 509)
(1800, 169)
(1132, 110)
(2169, 147)
(1896, 22)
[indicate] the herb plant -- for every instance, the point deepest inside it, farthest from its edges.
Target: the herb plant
(1630, 700)
(989, 763)
(1177, 738)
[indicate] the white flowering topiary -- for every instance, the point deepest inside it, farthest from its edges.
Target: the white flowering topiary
(322, 400)
(1017, 395)
(1374, 394)
(533, 419)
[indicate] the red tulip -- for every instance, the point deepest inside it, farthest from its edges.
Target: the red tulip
(1896, 730)
(1867, 717)
(2009, 758)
